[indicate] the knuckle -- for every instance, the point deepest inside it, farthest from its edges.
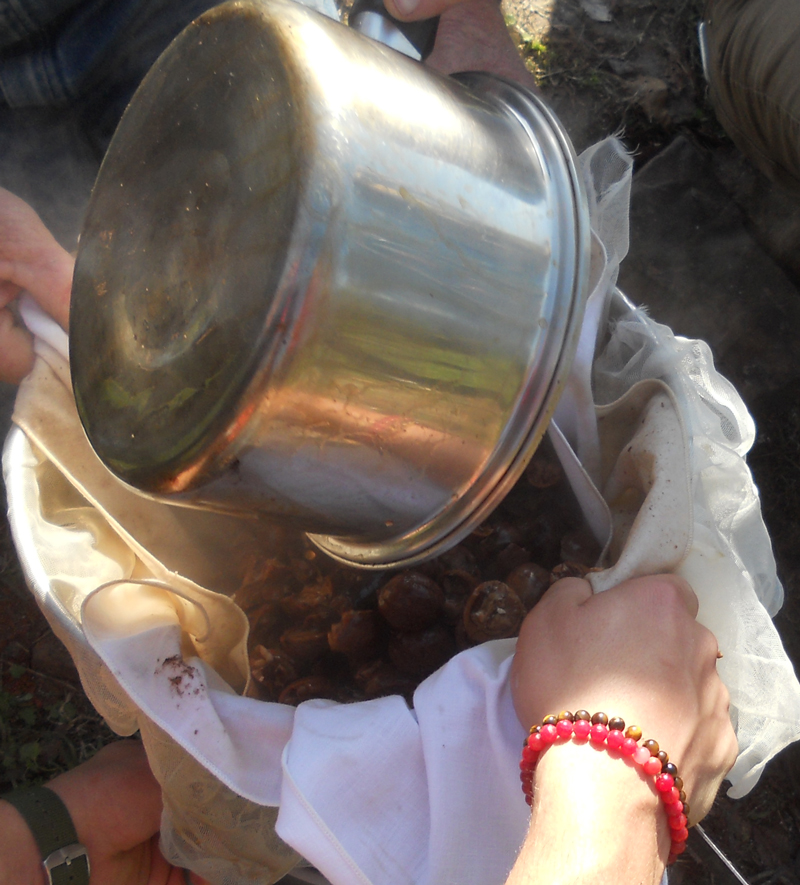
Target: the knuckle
(672, 592)
(669, 599)
(707, 642)
(728, 743)
(733, 752)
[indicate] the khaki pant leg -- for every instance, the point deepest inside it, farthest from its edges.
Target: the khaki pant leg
(754, 80)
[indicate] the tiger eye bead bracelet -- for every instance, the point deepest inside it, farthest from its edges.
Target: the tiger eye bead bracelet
(611, 733)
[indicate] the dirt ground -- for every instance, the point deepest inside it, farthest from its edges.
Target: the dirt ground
(633, 67)
(618, 66)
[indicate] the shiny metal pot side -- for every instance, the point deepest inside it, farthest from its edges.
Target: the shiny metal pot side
(319, 282)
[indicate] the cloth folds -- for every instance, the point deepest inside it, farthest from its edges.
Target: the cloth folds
(375, 792)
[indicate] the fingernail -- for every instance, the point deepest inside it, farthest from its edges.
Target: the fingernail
(406, 7)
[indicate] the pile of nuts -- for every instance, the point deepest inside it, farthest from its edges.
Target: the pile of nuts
(319, 629)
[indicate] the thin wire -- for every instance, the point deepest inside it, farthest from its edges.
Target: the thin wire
(721, 856)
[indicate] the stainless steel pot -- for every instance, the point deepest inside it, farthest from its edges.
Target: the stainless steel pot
(320, 282)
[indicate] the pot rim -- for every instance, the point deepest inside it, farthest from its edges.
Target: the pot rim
(462, 515)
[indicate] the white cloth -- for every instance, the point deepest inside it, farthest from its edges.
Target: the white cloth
(451, 811)
(373, 792)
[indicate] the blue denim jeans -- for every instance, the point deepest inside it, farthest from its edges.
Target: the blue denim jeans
(59, 52)
(68, 69)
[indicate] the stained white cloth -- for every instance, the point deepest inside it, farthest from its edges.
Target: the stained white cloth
(375, 792)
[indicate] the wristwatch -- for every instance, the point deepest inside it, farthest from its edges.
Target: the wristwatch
(65, 860)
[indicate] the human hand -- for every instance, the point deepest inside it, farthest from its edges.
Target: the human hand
(115, 805)
(472, 36)
(32, 260)
(635, 651)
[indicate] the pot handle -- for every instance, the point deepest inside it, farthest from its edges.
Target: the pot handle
(414, 39)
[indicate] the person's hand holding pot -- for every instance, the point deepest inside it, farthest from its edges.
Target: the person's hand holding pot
(472, 36)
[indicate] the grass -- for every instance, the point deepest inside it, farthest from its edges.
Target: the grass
(45, 729)
(603, 65)
(47, 725)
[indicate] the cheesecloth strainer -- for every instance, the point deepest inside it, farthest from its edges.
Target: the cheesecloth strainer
(653, 439)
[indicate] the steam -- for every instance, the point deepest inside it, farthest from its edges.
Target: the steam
(47, 161)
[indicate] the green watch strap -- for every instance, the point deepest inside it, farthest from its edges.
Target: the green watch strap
(65, 860)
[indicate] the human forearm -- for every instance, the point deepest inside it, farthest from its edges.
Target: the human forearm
(595, 818)
(20, 863)
(114, 803)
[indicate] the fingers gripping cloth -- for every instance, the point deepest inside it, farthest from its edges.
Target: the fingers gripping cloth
(249, 786)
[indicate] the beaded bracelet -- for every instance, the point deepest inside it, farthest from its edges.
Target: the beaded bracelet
(600, 730)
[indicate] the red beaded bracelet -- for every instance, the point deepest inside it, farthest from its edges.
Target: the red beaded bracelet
(600, 730)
